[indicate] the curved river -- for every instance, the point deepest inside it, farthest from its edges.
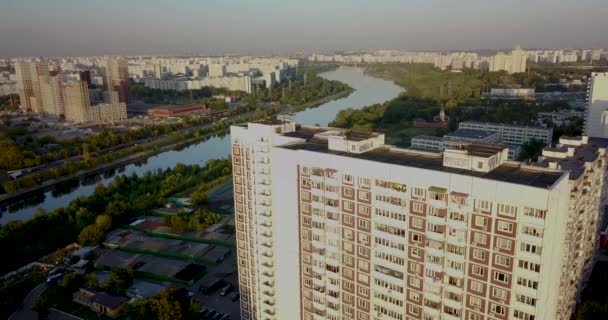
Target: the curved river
(368, 90)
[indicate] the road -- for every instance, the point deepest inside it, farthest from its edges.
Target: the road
(25, 312)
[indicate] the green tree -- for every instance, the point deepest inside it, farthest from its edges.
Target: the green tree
(591, 310)
(120, 280)
(71, 282)
(531, 150)
(91, 235)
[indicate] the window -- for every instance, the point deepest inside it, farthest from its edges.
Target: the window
(416, 237)
(507, 210)
(413, 310)
(363, 224)
(348, 192)
(502, 261)
(484, 205)
(348, 206)
(364, 182)
(476, 286)
(364, 210)
(477, 270)
(505, 226)
(414, 295)
(416, 252)
(418, 192)
(475, 302)
(499, 293)
(532, 231)
(364, 195)
(347, 178)
(481, 221)
(525, 299)
(501, 277)
(497, 309)
(479, 254)
(480, 238)
(522, 315)
(526, 247)
(415, 282)
(529, 265)
(502, 243)
(479, 165)
(535, 213)
(417, 223)
(527, 283)
(417, 207)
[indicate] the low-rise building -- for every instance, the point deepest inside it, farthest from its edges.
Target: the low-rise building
(510, 133)
(512, 93)
(101, 302)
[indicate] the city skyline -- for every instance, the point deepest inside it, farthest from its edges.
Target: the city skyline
(67, 27)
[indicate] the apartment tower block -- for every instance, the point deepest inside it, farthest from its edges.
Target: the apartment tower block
(334, 224)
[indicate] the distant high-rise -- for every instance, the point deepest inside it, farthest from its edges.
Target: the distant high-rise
(512, 63)
(30, 93)
(217, 70)
(51, 95)
(117, 77)
(333, 224)
(596, 122)
(77, 102)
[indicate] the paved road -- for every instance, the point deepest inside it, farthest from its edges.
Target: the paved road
(25, 312)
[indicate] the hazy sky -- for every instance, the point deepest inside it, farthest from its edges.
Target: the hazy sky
(94, 27)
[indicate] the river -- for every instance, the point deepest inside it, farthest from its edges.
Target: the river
(368, 90)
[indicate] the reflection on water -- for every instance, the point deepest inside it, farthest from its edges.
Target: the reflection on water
(369, 90)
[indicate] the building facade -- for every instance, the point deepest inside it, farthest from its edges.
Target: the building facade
(512, 134)
(596, 122)
(333, 224)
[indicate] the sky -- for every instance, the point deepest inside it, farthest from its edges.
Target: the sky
(211, 27)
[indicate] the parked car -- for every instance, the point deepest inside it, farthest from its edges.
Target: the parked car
(226, 289)
(235, 296)
(218, 316)
(225, 317)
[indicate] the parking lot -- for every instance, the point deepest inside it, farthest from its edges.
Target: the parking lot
(215, 301)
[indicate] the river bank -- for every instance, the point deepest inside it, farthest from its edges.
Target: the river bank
(366, 90)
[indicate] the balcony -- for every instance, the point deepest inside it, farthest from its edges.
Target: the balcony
(439, 236)
(435, 219)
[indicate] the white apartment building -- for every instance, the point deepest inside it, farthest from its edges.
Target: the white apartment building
(514, 62)
(512, 134)
(333, 224)
(596, 122)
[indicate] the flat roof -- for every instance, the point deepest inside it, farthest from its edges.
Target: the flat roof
(360, 135)
(425, 137)
(582, 154)
(271, 122)
(505, 125)
(506, 172)
(470, 134)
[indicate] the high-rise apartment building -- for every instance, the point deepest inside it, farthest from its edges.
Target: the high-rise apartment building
(514, 62)
(596, 121)
(117, 77)
(30, 92)
(77, 102)
(51, 95)
(333, 224)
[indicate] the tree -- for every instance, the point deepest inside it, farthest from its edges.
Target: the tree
(531, 150)
(591, 310)
(120, 280)
(71, 282)
(91, 235)
(104, 222)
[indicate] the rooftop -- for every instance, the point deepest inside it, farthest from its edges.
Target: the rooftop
(507, 172)
(582, 154)
(505, 125)
(470, 134)
(425, 137)
(271, 121)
